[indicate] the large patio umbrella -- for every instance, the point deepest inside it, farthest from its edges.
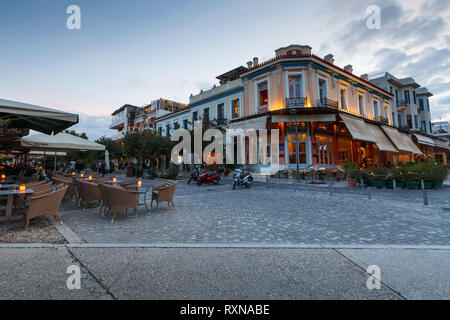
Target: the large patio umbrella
(45, 120)
(59, 142)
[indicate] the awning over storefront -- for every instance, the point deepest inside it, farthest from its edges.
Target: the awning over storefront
(424, 140)
(358, 128)
(304, 118)
(401, 140)
(255, 123)
(441, 144)
(383, 142)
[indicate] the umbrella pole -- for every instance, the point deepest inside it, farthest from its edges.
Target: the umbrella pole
(55, 164)
(45, 160)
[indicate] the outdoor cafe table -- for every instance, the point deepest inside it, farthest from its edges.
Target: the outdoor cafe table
(9, 203)
(138, 189)
(8, 186)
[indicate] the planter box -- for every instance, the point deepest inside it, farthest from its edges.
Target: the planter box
(412, 185)
(428, 185)
(437, 185)
(377, 184)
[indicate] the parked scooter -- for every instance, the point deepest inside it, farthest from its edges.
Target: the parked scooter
(242, 178)
(207, 177)
(194, 174)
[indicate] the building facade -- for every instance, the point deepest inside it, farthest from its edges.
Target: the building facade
(326, 116)
(215, 107)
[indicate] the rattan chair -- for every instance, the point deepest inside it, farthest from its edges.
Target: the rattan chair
(46, 204)
(89, 192)
(119, 199)
(164, 193)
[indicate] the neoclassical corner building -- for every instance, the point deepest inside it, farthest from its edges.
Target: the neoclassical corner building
(326, 115)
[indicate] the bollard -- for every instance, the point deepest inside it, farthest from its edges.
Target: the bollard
(361, 182)
(267, 180)
(422, 185)
(369, 193)
(306, 180)
(331, 187)
(394, 184)
(425, 198)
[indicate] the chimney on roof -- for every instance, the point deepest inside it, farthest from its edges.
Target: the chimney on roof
(255, 61)
(249, 64)
(349, 68)
(329, 58)
(365, 76)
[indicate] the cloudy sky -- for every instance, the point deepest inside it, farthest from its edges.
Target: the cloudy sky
(136, 51)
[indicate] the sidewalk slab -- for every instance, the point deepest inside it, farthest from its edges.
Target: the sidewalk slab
(228, 273)
(415, 274)
(40, 273)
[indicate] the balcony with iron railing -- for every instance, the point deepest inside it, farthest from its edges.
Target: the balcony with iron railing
(299, 102)
(382, 120)
(325, 102)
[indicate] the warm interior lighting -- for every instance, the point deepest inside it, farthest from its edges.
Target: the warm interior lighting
(3, 176)
(73, 173)
(81, 176)
(90, 178)
(114, 179)
(139, 183)
(22, 188)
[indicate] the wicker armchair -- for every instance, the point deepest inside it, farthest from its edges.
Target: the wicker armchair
(46, 204)
(89, 192)
(119, 199)
(125, 184)
(164, 193)
(72, 191)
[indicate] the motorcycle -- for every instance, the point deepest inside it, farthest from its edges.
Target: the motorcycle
(242, 178)
(194, 174)
(206, 177)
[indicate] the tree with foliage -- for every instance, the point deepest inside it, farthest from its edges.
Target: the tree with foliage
(147, 145)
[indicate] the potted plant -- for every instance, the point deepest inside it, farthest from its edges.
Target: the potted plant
(397, 174)
(412, 177)
(352, 172)
(438, 175)
(377, 177)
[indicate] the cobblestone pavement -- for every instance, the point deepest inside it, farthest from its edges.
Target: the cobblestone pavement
(276, 214)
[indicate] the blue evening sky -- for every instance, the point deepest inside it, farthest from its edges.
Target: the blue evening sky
(136, 51)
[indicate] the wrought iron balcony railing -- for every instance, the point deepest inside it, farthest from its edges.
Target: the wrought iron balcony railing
(221, 122)
(295, 102)
(325, 102)
(382, 120)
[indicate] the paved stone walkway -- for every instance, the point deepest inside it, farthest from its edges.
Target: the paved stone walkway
(276, 214)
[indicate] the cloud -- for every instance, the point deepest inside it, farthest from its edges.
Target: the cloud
(413, 41)
(94, 126)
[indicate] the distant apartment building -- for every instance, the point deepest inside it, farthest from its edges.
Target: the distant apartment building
(123, 121)
(215, 107)
(411, 101)
(441, 129)
(145, 119)
(131, 118)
